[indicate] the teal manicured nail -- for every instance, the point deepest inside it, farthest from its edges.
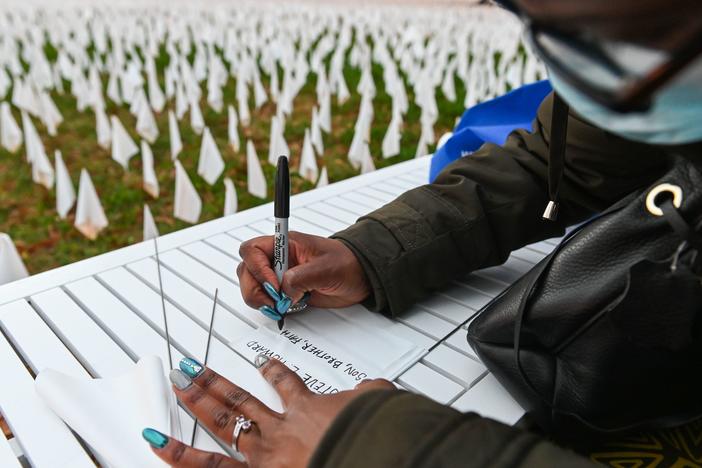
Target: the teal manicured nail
(305, 297)
(269, 312)
(191, 367)
(271, 291)
(180, 379)
(154, 438)
(283, 305)
(260, 360)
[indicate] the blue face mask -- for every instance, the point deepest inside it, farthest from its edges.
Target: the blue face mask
(675, 117)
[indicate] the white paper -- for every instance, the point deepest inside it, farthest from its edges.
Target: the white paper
(150, 228)
(174, 135)
(11, 266)
(110, 414)
(210, 165)
(10, 132)
(255, 179)
(123, 147)
(187, 205)
(231, 203)
(65, 192)
(150, 181)
(90, 217)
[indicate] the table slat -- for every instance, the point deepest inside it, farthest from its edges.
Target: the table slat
(422, 379)
(490, 399)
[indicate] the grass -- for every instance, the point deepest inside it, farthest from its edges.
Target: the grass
(27, 210)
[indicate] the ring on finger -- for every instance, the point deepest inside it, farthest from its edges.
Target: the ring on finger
(242, 425)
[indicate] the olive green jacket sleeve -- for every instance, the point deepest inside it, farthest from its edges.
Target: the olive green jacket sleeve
(399, 429)
(490, 203)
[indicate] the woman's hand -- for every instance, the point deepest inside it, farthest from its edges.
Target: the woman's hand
(326, 268)
(274, 440)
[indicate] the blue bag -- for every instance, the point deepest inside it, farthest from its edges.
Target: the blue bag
(491, 122)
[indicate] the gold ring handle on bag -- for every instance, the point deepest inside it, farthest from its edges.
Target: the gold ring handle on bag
(674, 190)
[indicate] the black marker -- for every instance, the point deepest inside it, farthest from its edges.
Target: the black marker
(282, 213)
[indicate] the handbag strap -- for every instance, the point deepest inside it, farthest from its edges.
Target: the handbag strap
(556, 154)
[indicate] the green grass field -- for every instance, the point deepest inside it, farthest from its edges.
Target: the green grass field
(27, 210)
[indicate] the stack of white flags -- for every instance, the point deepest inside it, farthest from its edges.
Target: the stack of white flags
(90, 217)
(210, 165)
(10, 133)
(187, 205)
(65, 193)
(11, 266)
(255, 179)
(123, 147)
(150, 181)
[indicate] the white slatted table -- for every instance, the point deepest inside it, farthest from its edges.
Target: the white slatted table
(98, 316)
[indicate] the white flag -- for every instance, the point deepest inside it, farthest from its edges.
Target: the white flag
(210, 165)
(150, 228)
(233, 130)
(10, 133)
(255, 178)
(146, 123)
(230, 200)
(278, 146)
(150, 181)
(90, 217)
(391, 141)
(316, 133)
(156, 97)
(102, 127)
(11, 266)
(308, 163)
(174, 134)
(366, 160)
(50, 115)
(196, 121)
(188, 205)
(123, 147)
(65, 193)
(323, 178)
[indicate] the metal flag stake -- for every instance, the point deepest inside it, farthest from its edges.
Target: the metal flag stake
(207, 354)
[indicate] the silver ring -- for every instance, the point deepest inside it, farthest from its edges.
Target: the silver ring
(674, 190)
(299, 307)
(242, 425)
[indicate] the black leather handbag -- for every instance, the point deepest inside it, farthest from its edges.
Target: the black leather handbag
(605, 334)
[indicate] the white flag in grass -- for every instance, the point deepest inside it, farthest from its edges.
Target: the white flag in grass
(187, 205)
(146, 123)
(156, 97)
(196, 120)
(255, 179)
(65, 192)
(174, 135)
(90, 217)
(32, 142)
(123, 147)
(232, 129)
(230, 200)
(150, 228)
(150, 181)
(367, 164)
(42, 170)
(210, 165)
(308, 162)
(316, 133)
(10, 133)
(11, 266)
(102, 128)
(323, 178)
(391, 141)
(278, 146)
(50, 115)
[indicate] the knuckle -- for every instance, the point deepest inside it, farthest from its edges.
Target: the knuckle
(178, 453)
(245, 248)
(194, 396)
(235, 398)
(213, 461)
(208, 379)
(222, 419)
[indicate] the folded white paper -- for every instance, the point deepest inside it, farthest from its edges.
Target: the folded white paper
(11, 266)
(90, 217)
(150, 181)
(10, 133)
(187, 205)
(65, 192)
(256, 181)
(210, 165)
(174, 135)
(110, 414)
(150, 228)
(231, 203)
(123, 147)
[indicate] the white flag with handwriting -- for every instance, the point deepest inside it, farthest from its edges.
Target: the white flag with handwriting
(187, 205)
(65, 192)
(255, 179)
(11, 266)
(90, 217)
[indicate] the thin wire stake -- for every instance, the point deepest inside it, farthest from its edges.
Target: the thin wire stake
(207, 355)
(163, 304)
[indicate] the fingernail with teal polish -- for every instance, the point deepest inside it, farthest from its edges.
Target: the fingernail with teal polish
(260, 360)
(180, 379)
(191, 367)
(154, 438)
(271, 291)
(269, 312)
(283, 305)
(305, 297)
